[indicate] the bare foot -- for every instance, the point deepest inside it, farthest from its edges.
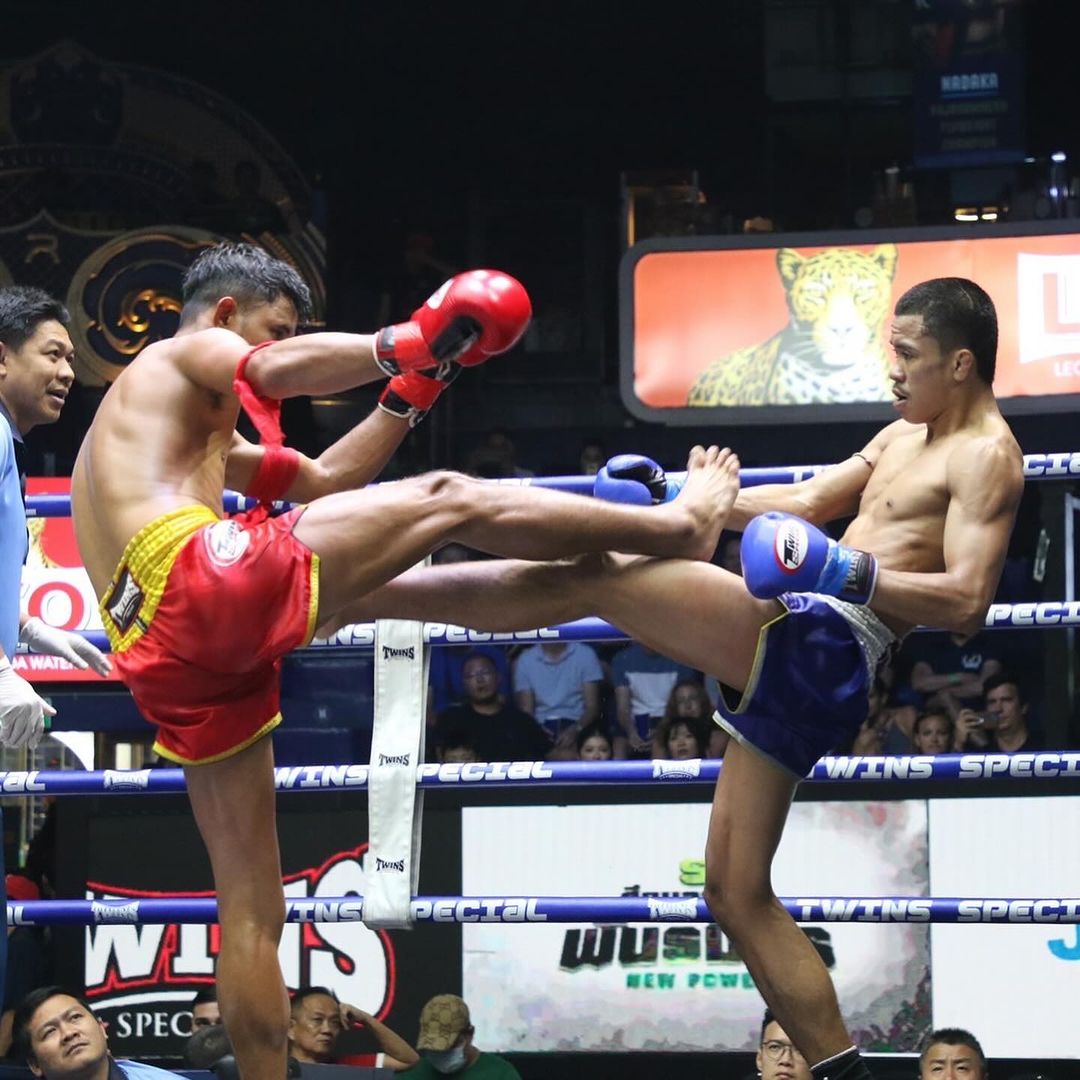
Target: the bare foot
(712, 483)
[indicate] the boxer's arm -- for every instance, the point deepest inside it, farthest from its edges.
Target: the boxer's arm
(985, 481)
(313, 364)
(833, 493)
(356, 459)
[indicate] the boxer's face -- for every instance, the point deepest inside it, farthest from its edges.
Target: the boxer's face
(919, 371)
(275, 320)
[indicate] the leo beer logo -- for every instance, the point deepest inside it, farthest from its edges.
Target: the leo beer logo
(141, 979)
(1048, 297)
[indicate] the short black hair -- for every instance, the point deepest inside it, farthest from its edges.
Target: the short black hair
(958, 314)
(207, 1047)
(302, 993)
(591, 731)
(247, 273)
(21, 1041)
(766, 1020)
(1005, 678)
(206, 996)
(22, 309)
(953, 1037)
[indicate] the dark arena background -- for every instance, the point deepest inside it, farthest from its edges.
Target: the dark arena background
(658, 178)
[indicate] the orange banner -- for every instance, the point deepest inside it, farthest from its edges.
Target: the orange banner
(802, 325)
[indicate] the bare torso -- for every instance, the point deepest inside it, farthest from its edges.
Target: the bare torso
(903, 508)
(159, 441)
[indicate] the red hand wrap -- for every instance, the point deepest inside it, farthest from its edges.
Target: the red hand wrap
(275, 474)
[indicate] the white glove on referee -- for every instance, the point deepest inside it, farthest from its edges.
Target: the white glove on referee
(22, 712)
(75, 649)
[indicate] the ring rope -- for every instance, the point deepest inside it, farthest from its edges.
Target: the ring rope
(1038, 765)
(1055, 466)
(560, 909)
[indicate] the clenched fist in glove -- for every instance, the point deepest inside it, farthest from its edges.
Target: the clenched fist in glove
(22, 712)
(469, 319)
(39, 637)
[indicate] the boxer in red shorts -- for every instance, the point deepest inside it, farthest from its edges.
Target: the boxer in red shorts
(197, 615)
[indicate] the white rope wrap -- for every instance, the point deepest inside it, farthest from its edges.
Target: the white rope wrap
(395, 804)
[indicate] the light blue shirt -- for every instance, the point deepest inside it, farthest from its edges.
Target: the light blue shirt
(136, 1070)
(14, 542)
(558, 682)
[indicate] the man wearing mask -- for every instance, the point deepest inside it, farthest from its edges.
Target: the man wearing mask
(446, 1046)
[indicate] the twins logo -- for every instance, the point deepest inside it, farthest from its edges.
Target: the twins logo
(394, 759)
(141, 978)
(791, 544)
(226, 542)
(125, 780)
(382, 865)
(389, 653)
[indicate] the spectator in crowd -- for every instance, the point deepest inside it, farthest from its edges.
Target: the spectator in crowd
(643, 681)
(1002, 725)
(558, 683)
(777, 1058)
(887, 728)
(950, 671)
(495, 458)
(680, 738)
(28, 960)
(419, 273)
(445, 1042)
(933, 733)
(496, 730)
(690, 700)
(593, 457)
(446, 682)
(952, 1054)
(594, 743)
(204, 1009)
(316, 1021)
(207, 1047)
(59, 1037)
(457, 749)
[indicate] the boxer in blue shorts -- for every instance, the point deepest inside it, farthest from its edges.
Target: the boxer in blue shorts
(932, 498)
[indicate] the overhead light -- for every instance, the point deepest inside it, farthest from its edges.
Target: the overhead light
(966, 213)
(1058, 156)
(988, 213)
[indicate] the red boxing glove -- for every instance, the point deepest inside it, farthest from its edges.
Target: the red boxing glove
(412, 394)
(468, 319)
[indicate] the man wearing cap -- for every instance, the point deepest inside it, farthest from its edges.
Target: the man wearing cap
(446, 1043)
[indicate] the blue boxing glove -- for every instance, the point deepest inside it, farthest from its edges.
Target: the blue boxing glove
(782, 553)
(633, 478)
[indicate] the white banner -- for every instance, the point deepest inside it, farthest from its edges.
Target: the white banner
(678, 987)
(1016, 987)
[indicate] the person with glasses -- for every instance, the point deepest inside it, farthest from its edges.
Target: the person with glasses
(777, 1058)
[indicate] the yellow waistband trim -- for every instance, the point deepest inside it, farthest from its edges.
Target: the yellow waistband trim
(145, 566)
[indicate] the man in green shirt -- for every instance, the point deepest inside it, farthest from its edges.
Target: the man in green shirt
(446, 1044)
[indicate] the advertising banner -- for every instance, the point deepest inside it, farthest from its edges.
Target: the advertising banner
(681, 986)
(799, 332)
(56, 588)
(141, 979)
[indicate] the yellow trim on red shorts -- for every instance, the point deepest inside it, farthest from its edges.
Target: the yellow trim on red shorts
(171, 755)
(313, 601)
(148, 559)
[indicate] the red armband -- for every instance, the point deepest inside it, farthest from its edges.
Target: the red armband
(275, 473)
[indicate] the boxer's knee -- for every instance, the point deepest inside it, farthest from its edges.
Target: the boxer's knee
(736, 894)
